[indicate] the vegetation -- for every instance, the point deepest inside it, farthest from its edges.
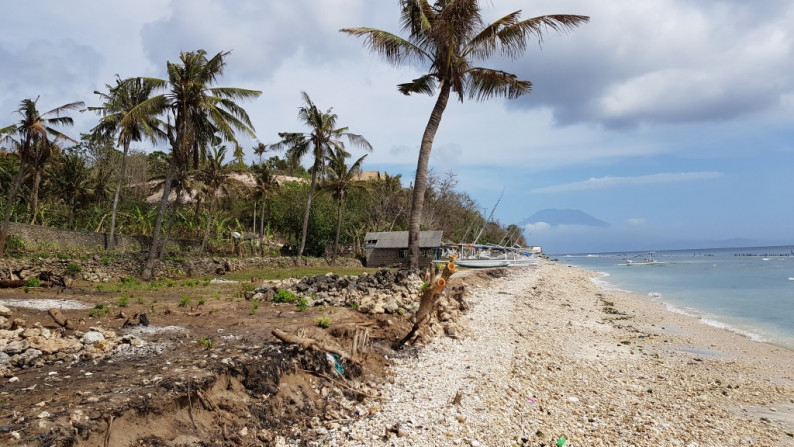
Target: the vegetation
(102, 183)
(450, 38)
(284, 296)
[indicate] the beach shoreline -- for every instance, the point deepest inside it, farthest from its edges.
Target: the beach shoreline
(548, 353)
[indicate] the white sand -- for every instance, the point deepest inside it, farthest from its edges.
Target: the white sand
(547, 353)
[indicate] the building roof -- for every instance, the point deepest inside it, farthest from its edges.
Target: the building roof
(399, 239)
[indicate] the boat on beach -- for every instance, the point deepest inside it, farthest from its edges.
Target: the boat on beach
(490, 256)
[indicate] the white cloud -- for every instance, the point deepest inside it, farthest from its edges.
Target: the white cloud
(611, 182)
(635, 222)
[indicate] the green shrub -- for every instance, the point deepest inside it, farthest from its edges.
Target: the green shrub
(63, 256)
(202, 301)
(105, 260)
(130, 281)
(73, 268)
(254, 306)
(33, 282)
(324, 322)
(184, 301)
(99, 310)
(284, 296)
(124, 301)
(354, 305)
(206, 342)
(303, 304)
(140, 300)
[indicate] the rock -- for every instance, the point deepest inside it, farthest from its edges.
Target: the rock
(28, 357)
(92, 338)
(5, 323)
(5, 312)
(16, 347)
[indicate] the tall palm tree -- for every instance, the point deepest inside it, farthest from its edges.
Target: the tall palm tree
(450, 36)
(323, 140)
(118, 120)
(33, 130)
(339, 178)
(266, 185)
(200, 113)
(37, 159)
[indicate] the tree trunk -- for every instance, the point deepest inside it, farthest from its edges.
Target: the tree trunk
(420, 181)
(35, 194)
(305, 228)
(338, 229)
(254, 226)
(262, 217)
(111, 240)
(71, 211)
(206, 237)
(9, 205)
(158, 224)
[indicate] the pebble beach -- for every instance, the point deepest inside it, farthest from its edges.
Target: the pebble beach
(547, 358)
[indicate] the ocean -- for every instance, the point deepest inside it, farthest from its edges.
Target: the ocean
(746, 290)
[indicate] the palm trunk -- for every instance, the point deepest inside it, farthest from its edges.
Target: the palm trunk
(338, 230)
(12, 194)
(262, 217)
(71, 211)
(111, 240)
(35, 195)
(420, 181)
(158, 224)
(306, 215)
(254, 226)
(206, 237)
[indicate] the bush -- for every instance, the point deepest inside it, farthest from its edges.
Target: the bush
(324, 322)
(99, 310)
(33, 282)
(184, 301)
(284, 296)
(73, 268)
(124, 301)
(303, 304)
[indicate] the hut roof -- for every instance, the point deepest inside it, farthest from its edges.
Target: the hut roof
(399, 239)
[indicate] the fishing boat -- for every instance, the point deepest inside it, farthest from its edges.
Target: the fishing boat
(643, 259)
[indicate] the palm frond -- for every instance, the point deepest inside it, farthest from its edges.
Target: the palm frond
(393, 48)
(485, 83)
(425, 85)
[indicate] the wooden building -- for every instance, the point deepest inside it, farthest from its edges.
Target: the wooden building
(386, 248)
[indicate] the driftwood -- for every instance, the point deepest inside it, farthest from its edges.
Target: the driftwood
(310, 344)
(429, 299)
(60, 319)
(15, 283)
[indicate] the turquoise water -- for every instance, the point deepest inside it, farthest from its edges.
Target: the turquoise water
(746, 290)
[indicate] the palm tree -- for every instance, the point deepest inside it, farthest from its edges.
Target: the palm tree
(323, 140)
(37, 159)
(215, 182)
(117, 119)
(266, 185)
(32, 131)
(339, 179)
(200, 112)
(70, 179)
(450, 36)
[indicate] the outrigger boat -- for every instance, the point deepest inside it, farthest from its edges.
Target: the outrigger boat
(490, 256)
(643, 259)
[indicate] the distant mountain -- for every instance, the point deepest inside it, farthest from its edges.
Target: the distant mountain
(556, 217)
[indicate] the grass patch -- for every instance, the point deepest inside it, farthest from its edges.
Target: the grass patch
(302, 304)
(205, 342)
(324, 322)
(184, 301)
(33, 282)
(99, 311)
(124, 301)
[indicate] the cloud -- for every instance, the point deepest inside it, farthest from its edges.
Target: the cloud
(611, 182)
(667, 61)
(537, 227)
(635, 222)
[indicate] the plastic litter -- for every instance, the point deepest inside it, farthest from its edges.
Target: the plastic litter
(561, 442)
(335, 360)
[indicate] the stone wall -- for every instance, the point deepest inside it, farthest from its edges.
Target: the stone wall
(38, 237)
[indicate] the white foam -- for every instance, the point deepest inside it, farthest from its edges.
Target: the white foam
(44, 304)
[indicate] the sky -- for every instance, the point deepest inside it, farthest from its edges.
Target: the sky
(671, 120)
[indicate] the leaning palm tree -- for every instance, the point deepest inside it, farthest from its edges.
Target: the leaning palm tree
(201, 112)
(450, 37)
(118, 120)
(32, 131)
(323, 140)
(339, 178)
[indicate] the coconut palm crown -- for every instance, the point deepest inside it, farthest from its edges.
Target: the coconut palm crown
(450, 37)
